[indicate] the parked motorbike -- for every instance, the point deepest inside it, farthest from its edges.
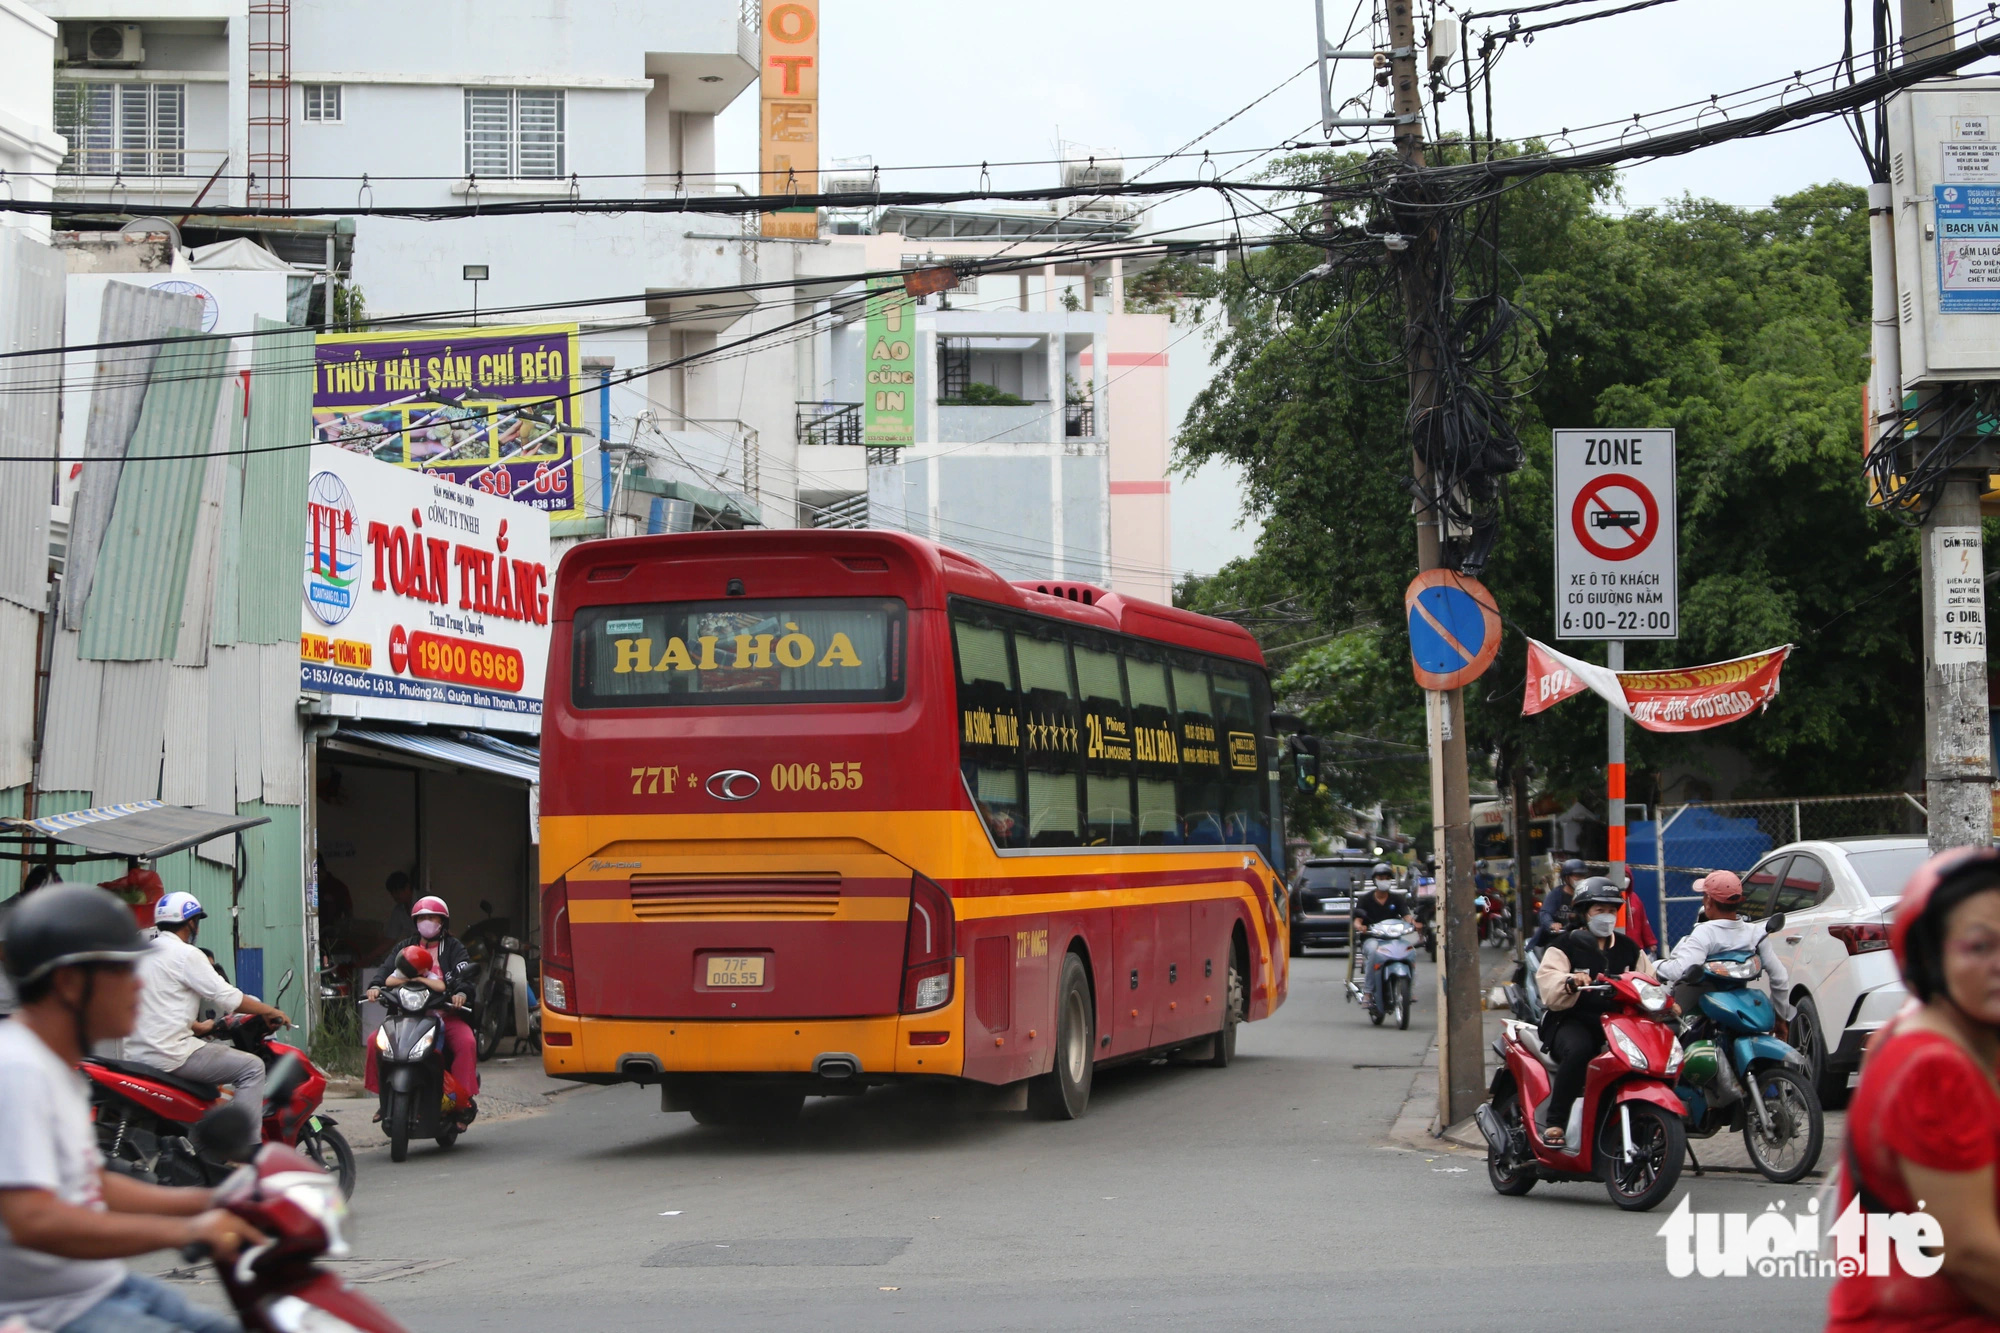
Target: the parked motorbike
(279, 1286)
(501, 998)
(1425, 910)
(1737, 1074)
(144, 1115)
(1627, 1128)
(1523, 999)
(1398, 941)
(419, 1097)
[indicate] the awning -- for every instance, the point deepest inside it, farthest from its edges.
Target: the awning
(461, 749)
(145, 829)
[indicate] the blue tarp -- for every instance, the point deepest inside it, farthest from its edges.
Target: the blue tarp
(1698, 837)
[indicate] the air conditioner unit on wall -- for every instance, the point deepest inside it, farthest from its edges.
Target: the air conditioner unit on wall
(111, 44)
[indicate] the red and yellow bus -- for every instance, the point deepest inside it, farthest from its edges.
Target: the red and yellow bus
(822, 810)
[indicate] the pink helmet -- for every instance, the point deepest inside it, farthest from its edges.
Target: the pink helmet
(430, 905)
(1722, 888)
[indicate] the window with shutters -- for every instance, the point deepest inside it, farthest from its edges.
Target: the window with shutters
(130, 129)
(514, 132)
(322, 103)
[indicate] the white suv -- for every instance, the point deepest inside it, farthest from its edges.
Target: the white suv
(1837, 897)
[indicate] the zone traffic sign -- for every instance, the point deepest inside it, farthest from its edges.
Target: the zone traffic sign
(1454, 629)
(1617, 535)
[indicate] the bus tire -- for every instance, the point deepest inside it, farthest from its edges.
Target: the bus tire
(1064, 1092)
(1222, 1046)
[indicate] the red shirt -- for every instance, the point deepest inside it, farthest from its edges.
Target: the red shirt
(1924, 1100)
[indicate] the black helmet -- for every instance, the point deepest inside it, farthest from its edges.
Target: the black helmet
(1575, 866)
(1597, 889)
(1382, 868)
(64, 924)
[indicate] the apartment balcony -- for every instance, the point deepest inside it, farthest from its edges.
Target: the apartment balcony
(998, 423)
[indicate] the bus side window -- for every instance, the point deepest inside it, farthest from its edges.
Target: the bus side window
(1198, 783)
(1246, 789)
(1156, 749)
(1107, 747)
(989, 728)
(1051, 735)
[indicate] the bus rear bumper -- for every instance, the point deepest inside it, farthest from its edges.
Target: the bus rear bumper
(623, 1050)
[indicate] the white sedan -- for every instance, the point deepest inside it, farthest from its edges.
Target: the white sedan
(1838, 897)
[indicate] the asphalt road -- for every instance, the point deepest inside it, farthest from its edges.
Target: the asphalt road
(1269, 1194)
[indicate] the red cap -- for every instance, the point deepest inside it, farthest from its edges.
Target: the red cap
(1722, 888)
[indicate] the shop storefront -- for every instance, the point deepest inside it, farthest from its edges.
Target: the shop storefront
(423, 647)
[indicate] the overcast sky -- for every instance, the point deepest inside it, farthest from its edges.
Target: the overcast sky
(910, 82)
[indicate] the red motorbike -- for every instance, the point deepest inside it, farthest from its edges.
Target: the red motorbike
(1626, 1130)
(278, 1287)
(144, 1115)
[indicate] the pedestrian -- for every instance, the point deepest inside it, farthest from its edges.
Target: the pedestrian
(1924, 1124)
(65, 1222)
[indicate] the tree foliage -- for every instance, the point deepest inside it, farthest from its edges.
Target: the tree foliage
(1746, 330)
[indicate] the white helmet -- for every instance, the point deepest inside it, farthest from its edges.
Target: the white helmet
(177, 909)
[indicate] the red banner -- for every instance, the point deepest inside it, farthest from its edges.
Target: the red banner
(1685, 699)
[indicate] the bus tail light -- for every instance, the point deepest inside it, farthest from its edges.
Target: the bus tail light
(558, 959)
(930, 949)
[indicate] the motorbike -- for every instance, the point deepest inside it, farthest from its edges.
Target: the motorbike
(1737, 1074)
(1626, 1131)
(1496, 921)
(501, 996)
(419, 1097)
(144, 1115)
(1392, 958)
(278, 1286)
(1425, 910)
(1524, 1001)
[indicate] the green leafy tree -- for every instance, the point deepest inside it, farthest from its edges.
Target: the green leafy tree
(1744, 329)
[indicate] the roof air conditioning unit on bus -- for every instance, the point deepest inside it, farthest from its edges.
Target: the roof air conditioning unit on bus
(109, 44)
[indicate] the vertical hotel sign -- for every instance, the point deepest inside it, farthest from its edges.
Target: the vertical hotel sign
(889, 405)
(790, 110)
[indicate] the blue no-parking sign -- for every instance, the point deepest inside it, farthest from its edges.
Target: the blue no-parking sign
(1454, 629)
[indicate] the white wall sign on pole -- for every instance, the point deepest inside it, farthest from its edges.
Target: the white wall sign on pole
(1958, 632)
(1617, 535)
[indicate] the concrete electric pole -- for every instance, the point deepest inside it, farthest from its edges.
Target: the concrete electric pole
(1461, 1063)
(1958, 773)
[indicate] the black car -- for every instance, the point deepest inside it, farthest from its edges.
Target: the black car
(1323, 899)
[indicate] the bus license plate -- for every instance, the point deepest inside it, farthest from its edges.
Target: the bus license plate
(735, 971)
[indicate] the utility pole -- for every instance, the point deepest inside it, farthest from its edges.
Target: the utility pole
(1461, 1063)
(1958, 774)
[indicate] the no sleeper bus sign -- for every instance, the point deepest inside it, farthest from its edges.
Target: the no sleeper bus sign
(1617, 526)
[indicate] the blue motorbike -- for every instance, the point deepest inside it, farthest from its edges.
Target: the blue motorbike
(1396, 941)
(1737, 1075)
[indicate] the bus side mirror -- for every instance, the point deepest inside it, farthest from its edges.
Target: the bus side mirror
(1305, 756)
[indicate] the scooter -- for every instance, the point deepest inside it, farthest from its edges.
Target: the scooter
(1425, 910)
(1496, 921)
(1392, 959)
(1739, 1075)
(278, 1286)
(501, 996)
(1626, 1130)
(144, 1115)
(419, 1097)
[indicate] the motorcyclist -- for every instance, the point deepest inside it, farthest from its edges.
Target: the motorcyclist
(176, 978)
(454, 975)
(1571, 1031)
(1550, 923)
(1720, 931)
(1380, 903)
(65, 1221)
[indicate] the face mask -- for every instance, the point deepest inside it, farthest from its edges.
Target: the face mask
(1602, 924)
(429, 928)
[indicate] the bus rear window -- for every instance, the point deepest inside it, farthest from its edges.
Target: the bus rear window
(714, 654)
